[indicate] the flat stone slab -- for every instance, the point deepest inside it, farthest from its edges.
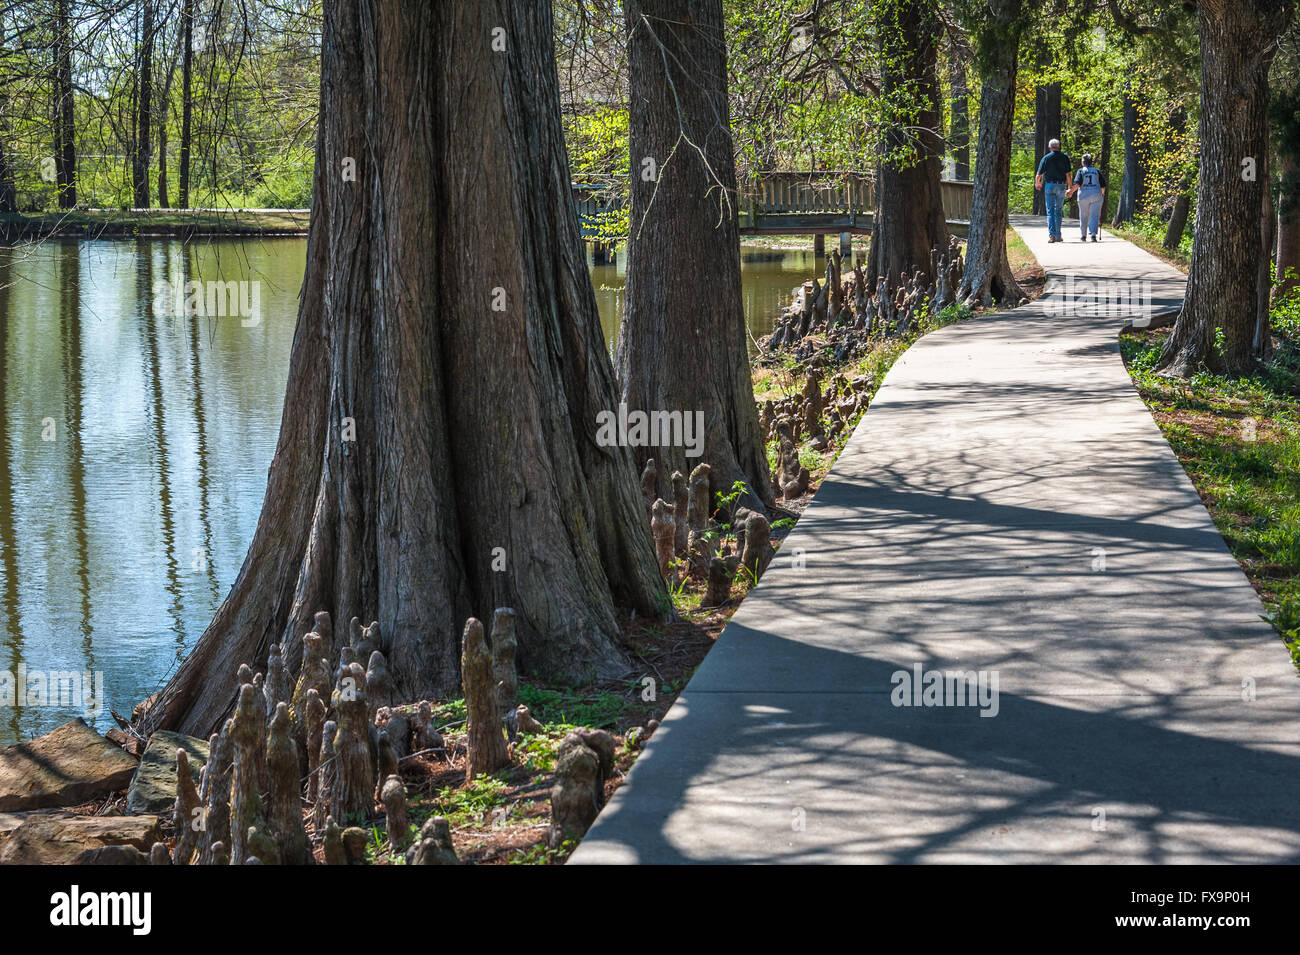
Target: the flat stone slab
(67, 766)
(153, 788)
(61, 838)
(1007, 507)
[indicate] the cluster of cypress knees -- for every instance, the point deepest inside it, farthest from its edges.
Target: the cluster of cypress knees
(844, 314)
(248, 805)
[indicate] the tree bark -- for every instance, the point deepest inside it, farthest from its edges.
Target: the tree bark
(1182, 201)
(988, 276)
(1132, 194)
(1288, 224)
(1237, 46)
(1106, 138)
(683, 344)
(1047, 124)
(959, 139)
(8, 188)
(1262, 342)
(909, 220)
(65, 146)
(187, 103)
(143, 110)
(437, 458)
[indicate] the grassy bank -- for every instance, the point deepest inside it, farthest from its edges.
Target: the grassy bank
(1239, 441)
(118, 223)
(1148, 233)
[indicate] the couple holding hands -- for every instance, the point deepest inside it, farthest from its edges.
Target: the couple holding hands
(1054, 171)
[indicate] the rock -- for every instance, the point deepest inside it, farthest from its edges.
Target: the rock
(60, 838)
(67, 766)
(153, 788)
(113, 855)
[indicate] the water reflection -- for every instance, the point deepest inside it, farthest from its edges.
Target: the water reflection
(134, 446)
(133, 454)
(767, 278)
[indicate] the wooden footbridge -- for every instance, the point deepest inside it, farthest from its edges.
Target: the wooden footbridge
(785, 202)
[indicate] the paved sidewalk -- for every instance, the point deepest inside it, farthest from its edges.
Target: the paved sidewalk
(1006, 506)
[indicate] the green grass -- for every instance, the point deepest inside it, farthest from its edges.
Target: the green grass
(119, 222)
(1148, 232)
(782, 381)
(1239, 441)
(471, 804)
(600, 709)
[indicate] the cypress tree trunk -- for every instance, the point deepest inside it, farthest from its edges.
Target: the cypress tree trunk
(1047, 125)
(988, 276)
(437, 456)
(187, 102)
(909, 219)
(8, 188)
(1132, 194)
(65, 149)
(143, 110)
(1288, 223)
(959, 139)
(683, 345)
(1106, 138)
(1237, 46)
(1182, 201)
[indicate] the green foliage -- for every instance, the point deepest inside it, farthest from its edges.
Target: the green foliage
(470, 804)
(1244, 457)
(541, 855)
(599, 709)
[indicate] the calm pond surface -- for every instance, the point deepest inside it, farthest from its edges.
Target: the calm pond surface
(135, 444)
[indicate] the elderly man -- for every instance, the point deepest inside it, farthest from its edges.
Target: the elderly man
(1053, 173)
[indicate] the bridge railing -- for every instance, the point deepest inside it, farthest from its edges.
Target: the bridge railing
(818, 200)
(799, 192)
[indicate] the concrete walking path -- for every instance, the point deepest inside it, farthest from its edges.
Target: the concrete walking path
(1007, 506)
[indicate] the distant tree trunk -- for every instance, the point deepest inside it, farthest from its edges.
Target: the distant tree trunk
(143, 110)
(1132, 194)
(437, 454)
(1262, 342)
(8, 188)
(988, 275)
(164, 111)
(1182, 201)
(163, 201)
(1106, 137)
(1238, 42)
(1288, 223)
(187, 101)
(65, 149)
(959, 106)
(683, 345)
(909, 219)
(1047, 125)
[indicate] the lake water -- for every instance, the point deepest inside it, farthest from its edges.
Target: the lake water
(134, 447)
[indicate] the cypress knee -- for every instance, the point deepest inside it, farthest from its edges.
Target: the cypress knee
(486, 741)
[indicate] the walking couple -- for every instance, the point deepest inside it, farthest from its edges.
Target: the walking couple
(1089, 182)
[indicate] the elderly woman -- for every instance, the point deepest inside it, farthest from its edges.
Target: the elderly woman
(1090, 184)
